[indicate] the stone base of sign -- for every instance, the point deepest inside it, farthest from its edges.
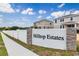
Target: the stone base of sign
(71, 38)
(29, 36)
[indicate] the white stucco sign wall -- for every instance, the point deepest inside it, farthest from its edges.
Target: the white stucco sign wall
(18, 34)
(51, 38)
(22, 35)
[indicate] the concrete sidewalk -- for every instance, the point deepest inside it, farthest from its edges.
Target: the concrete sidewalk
(14, 49)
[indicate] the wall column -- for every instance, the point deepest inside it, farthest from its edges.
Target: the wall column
(29, 36)
(71, 34)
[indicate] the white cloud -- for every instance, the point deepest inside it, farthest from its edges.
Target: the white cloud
(23, 22)
(72, 12)
(60, 13)
(28, 11)
(17, 10)
(66, 12)
(76, 12)
(1, 15)
(57, 13)
(49, 17)
(61, 5)
(6, 8)
(42, 12)
(1, 20)
(39, 17)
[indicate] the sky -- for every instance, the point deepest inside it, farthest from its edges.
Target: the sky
(25, 14)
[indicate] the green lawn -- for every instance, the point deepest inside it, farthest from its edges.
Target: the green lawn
(3, 51)
(43, 51)
(78, 46)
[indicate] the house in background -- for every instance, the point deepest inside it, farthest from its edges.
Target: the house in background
(67, 21)
(44, 23)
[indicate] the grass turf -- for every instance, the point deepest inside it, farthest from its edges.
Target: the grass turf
(78, 46)
(3, 51)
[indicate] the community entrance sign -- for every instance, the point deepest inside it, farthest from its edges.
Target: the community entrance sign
(64, 39)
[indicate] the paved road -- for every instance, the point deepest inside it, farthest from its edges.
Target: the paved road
(14, 49)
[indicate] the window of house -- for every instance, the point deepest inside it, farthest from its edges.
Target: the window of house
(60, 26)
(71, 18)
(50, 23)
(77, 25)
(39, 27)
(47, 27)
(62, 20)
(36, 27)
(71, 25)
(63, 26)
(44, 27)
(55, 21)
